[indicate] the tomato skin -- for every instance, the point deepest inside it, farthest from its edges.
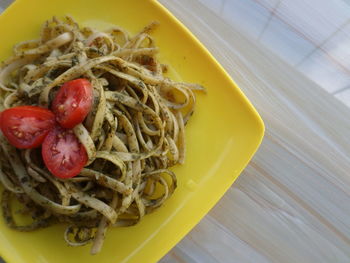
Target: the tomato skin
(63, 154)
(25, 127)
(73, 102)
(0, 120)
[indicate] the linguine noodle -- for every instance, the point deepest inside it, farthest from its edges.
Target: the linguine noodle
(132, 136)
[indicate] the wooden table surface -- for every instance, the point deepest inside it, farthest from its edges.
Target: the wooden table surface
(292, 202)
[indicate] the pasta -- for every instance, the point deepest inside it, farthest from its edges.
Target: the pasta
(133, 134)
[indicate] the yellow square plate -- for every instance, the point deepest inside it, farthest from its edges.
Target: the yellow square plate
(222, 136)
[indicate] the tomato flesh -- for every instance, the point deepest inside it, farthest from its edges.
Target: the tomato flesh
(63, 154)
(73, 102)
(25, 127)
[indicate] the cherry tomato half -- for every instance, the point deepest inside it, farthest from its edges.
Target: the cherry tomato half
(73, 102)
(62, 153)
(25, 127)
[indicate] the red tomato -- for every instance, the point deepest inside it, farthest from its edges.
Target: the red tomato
(25, 127)
(63, 154)
(73, 102)
(0, 120)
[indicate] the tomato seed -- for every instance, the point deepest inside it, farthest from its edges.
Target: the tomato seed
(61, 108)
